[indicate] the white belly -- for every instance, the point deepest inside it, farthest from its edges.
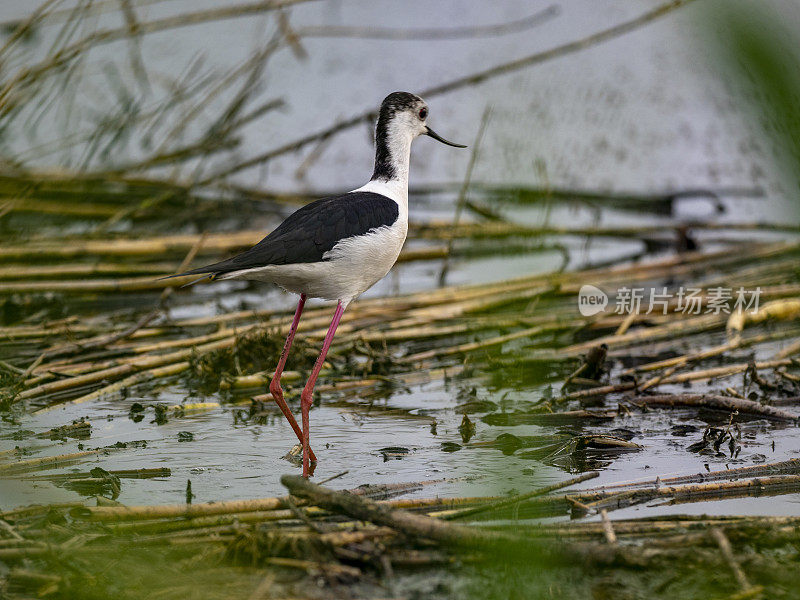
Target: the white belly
(350, 268)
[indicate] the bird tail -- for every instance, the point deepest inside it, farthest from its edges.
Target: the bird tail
(206, 273)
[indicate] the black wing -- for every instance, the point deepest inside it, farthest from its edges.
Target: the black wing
(308, 233)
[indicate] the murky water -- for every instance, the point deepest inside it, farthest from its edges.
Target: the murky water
(230, 457)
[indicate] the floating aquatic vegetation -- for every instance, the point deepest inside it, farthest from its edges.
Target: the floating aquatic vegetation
(251, 352)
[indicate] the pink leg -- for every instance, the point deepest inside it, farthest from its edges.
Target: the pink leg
(275, 384)
(308, 392)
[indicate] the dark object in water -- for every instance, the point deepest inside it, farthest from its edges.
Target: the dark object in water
(714, 437)
(540, 417)
(683, 430)
(595, 362)
(161, 414)
(476, 406)
(100, 482)
(580, 448)
(622, 433)
(396, 452)
(450, 447)
(136, 412)
(684, 242)
(466, 429)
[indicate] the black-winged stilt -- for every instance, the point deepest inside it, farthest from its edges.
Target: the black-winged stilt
(337, 248)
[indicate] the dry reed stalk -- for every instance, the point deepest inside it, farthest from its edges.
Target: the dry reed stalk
(315, 568)
(22, 332)
(93, 286)
(396, 518)
(27, 271)
(697, 492)
(631, 528)
(130, 513)
(124, 473)
(726, 371)
(138, 284)
(608, 528)
(489, 506)
(614, 500)
(727, 552)
(159, 246)
(777, 309)
(790, 350)
(126, 368)
(786, 467)
(653, 382)
(685, 326)
(215, 243)
(20, 542)
(32, 464)
(418, 332)
(444, 230)
(165, 525)
(626, 323)
(14, 554)
(32, 510)
(259, 380)
(153, 347)
(715, 402)
(713, 373)
(136, 379)
(487, 343)
(45, 207)
(431, 503)
(587, 502)
(683, 360)
(237, 507)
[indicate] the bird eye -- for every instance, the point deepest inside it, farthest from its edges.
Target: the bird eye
(423, 113)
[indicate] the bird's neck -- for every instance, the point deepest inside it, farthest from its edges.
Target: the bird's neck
(392, 156)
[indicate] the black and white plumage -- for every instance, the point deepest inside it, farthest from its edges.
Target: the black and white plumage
(303, 255)
(336, 248)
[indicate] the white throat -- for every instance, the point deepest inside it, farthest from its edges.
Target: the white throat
(392, 158)
(398, 142)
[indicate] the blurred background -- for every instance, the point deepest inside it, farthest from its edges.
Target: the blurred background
(647, 110)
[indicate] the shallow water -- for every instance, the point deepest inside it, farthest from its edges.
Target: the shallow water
(230, 458)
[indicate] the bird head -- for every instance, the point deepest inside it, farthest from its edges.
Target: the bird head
(407, 114)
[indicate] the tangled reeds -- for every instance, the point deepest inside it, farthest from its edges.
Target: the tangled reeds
(347, 537)
(446, 317)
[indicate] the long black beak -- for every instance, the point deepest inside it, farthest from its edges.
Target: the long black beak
(436, 136)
